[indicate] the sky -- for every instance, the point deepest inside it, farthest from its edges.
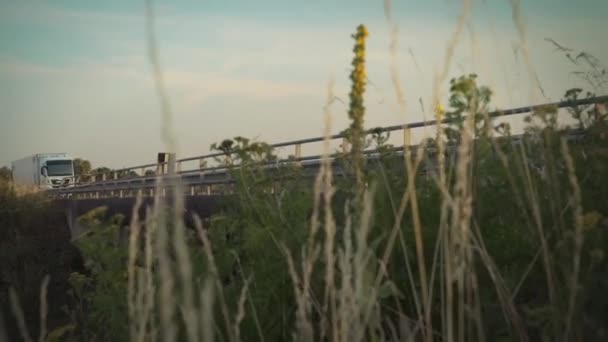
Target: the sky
(75, 76)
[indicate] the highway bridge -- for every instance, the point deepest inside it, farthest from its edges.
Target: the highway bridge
(204, 185)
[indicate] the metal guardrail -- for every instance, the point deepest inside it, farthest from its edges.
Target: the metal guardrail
(206, 183)
(219, 175)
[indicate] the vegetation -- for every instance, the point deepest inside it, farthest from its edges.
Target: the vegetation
(35, 250)
(5, 174)
(81, 167)
(505, 242)
(356, 112)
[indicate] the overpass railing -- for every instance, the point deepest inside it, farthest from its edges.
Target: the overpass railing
(126, 180)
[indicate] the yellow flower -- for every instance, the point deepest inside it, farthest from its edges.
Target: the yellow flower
(362, 30)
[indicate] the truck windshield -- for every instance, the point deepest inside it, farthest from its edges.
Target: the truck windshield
(59, 167)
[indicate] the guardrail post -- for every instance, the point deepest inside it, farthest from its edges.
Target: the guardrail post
(166, 163)
(104, 176)
(208, 190)
(120, 194)
(161, 159)
(192, 190)
(298, 153)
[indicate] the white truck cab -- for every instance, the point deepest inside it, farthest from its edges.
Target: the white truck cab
(45, 171)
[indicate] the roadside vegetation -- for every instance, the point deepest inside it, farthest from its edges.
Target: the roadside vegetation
(35, 253)
(469, 237)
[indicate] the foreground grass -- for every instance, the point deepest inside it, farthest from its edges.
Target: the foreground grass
(35, 250)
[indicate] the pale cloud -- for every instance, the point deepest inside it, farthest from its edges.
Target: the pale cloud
(89, 72)
(254, 88)
(45, 13)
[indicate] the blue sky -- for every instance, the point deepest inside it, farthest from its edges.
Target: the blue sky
(74, 75)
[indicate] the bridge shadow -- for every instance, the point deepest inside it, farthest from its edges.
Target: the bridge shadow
(203, 206)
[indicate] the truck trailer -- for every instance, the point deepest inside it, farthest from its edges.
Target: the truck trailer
(44, 171)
